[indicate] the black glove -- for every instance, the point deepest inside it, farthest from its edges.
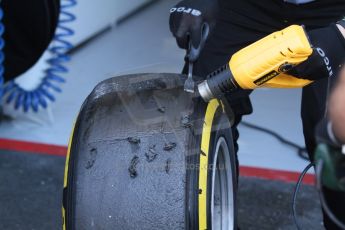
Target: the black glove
(193, 20)
(328, 55)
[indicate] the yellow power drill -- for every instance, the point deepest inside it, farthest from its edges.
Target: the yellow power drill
(261, 64)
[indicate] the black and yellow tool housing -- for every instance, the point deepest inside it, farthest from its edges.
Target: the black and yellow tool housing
(262, 64)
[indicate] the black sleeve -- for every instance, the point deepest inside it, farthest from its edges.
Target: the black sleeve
(29, 28)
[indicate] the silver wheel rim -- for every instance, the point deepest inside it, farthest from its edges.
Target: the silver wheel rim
(222, 191)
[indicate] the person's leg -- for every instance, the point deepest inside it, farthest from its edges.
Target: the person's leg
(215, 54)
(312, 111)
(235, 30)
(239, 24)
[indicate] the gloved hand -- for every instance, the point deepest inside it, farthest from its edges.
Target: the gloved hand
(193, 20)
(328, 54)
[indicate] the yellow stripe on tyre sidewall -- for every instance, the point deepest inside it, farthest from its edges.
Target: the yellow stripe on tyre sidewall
(203, 170)
(65, 179)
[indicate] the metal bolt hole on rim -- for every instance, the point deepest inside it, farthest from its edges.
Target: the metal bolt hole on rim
(222, 191)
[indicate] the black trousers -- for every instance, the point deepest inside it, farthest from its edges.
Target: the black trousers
(241, 23)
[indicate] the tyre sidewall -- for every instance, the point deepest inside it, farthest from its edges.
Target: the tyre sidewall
(221, 127)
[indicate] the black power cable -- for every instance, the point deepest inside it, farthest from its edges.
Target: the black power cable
(301, 151)
(298, 185)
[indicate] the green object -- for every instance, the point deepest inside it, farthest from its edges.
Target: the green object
(333, 173)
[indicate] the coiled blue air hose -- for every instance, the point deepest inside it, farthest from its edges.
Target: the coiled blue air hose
(42, 94)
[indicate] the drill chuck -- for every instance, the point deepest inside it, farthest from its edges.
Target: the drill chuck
(217, 84)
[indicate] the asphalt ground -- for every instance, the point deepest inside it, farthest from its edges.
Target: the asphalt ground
(265, 204)
(31, 193)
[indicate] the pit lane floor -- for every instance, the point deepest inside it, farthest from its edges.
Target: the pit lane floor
(31, 193)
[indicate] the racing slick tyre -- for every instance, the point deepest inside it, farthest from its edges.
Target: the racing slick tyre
(144, 154)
